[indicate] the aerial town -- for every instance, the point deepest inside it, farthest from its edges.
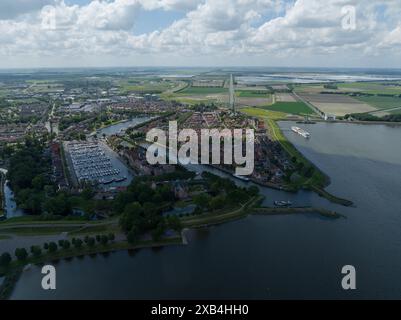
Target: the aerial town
(73, 149)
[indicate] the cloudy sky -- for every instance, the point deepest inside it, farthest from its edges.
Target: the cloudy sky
(80, 33)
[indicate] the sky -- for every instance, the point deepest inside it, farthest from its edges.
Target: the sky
(271, 33)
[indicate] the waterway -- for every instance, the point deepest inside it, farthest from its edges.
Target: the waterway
(121, 126)
(10, 204)
(271, 257)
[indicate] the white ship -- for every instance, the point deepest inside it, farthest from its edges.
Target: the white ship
(301, 132)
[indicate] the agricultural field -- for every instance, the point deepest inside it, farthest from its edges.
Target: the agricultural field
(353, 87)
(317, 88)
(285, 97)
(381, 102)
(252, 93)
(202, 90)
(145, 86)
(336, 104)
(296, 108)
(371, 87)
(387, 112)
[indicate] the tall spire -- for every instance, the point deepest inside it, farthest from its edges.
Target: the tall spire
(232, 94)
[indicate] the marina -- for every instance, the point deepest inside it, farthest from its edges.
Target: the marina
(93, 163)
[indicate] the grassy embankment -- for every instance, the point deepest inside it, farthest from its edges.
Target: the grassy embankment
(285, 211)
(318, 181)
(252, 206)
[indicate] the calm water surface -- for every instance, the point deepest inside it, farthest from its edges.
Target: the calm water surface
(298, 256)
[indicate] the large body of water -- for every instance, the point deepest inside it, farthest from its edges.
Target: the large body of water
(271, 257)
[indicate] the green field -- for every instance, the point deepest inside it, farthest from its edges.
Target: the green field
(262, 113)
(202, 90)
(252, 94)
(398, 111)
(381, 102)
(299, 108)
(145, 86)
(371, 87)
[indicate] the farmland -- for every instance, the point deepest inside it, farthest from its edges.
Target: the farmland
(298, 108)
(380, 102)
(252, 94)
(146, 86)
(336, 104)
(202, 90)
(371, 87)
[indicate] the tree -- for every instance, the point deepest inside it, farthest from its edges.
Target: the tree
(133, 235)
(91, 242)
(253, 191)
(78, 243)
(131, 213)
(159, 231)
(174, 223)
(86, 239)
(21, 254)
(202, 200)
(36, 251)
(66, 244)
(98, 238)
(111, 236)
(46, 246)
(5, 259)
(217, 202)
(104, 240)
(53, 247)
(60, 243)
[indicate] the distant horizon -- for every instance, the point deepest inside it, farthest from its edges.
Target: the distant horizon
(202, 67)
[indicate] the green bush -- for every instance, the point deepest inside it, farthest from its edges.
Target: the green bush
(5, 259)
(53, 247)
(21, 254)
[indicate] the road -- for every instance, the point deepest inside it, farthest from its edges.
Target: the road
(309, 105)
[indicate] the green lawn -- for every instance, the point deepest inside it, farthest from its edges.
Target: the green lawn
(381, 102)
(299, 108)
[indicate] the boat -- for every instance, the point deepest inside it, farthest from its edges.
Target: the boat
(301, 132)
(283, 203)
(241, 178)
(120, 179)
(108, 181)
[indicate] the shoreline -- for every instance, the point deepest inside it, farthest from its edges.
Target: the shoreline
(13, 272)
(387, 123)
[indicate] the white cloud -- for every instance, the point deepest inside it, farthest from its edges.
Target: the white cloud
(278, 29)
